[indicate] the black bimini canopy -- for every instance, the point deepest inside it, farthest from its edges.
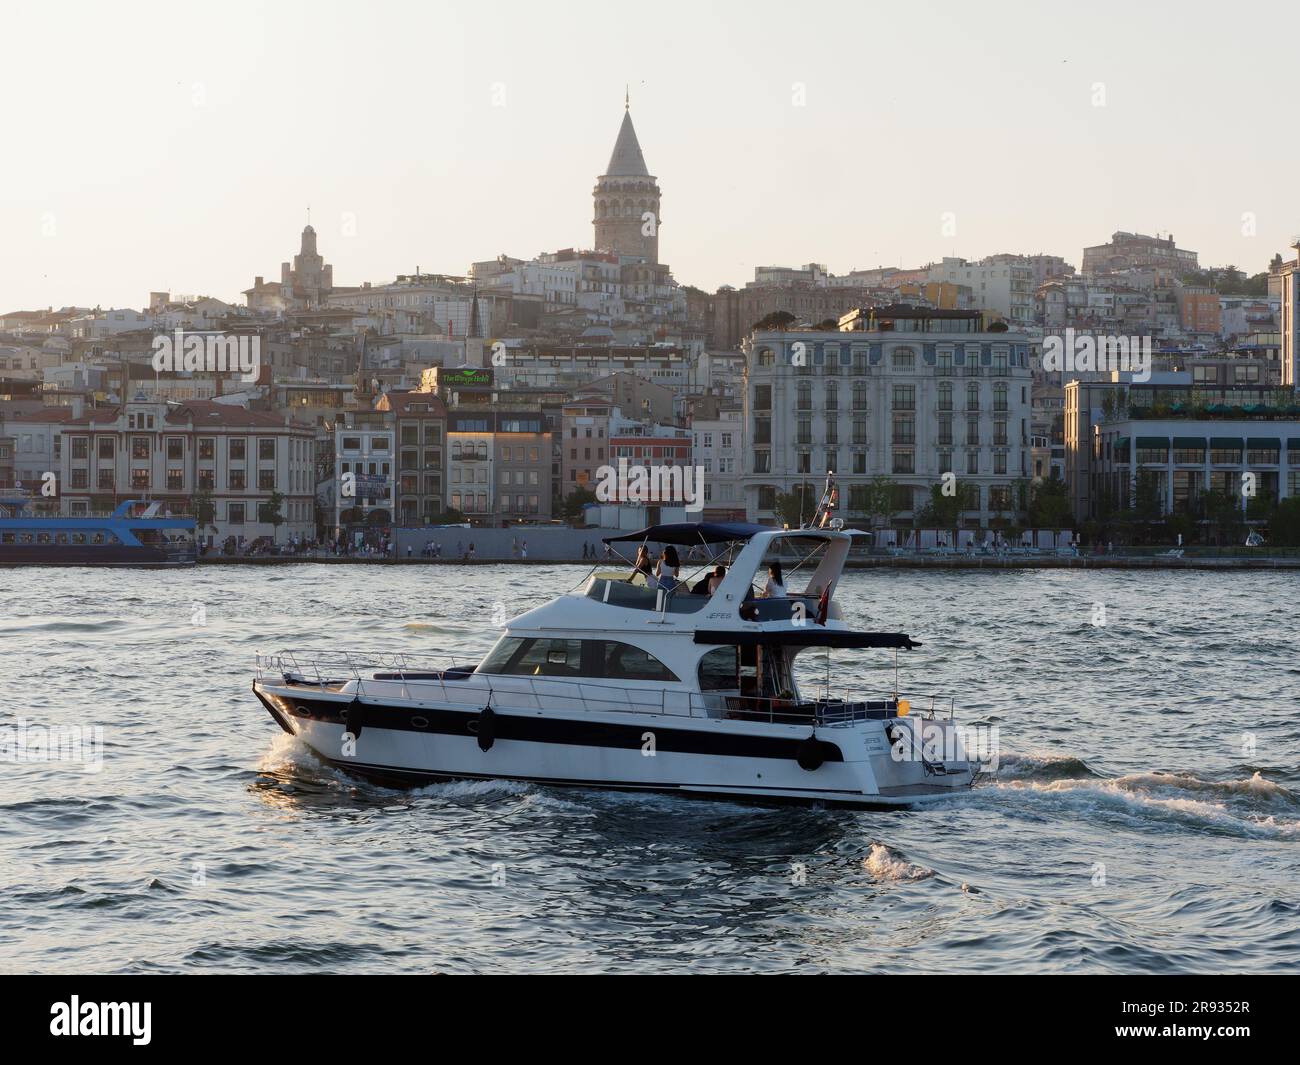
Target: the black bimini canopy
(686, 533)
(811, 636)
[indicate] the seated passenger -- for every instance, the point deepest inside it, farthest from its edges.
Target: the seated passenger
(718, 573)
(775, 588)
(642, 565)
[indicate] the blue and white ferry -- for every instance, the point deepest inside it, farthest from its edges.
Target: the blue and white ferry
(134, 534)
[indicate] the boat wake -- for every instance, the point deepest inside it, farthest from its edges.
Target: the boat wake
(1251, 807)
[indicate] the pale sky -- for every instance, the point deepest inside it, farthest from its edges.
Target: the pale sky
(177, 145)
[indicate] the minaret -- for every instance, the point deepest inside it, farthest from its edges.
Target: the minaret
(627, 199)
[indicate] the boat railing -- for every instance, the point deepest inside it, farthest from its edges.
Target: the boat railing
(428, 677)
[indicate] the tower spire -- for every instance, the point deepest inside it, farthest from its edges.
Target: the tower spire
(627, 97)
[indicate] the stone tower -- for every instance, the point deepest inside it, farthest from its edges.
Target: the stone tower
(627, 200)
(310, 279)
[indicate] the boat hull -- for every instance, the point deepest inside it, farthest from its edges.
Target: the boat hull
(408, 744)
(92, 555)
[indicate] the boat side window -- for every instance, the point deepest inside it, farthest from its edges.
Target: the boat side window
(43, 538)
(525, 657)
(518, 657)
(98, 538)
(719, 670)
(6, 538)
(78, 538)
(622, 660)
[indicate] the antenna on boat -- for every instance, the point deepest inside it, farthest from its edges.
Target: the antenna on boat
(829, 501)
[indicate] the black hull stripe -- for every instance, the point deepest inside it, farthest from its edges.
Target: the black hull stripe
(531, 729)
(414, 778)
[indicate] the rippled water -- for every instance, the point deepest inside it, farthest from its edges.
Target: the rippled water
(1145, 816)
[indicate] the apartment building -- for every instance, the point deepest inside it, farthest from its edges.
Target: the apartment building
(236, 458)
(1190, 431)
(364, 448)
(901, 392)
(420, 426)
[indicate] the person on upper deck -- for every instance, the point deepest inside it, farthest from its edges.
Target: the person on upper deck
(643, 565)
(775, 587)
(667, 569)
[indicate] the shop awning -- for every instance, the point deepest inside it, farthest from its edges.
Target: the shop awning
(1146, 442)
(1192, 443)
(1226, 443)
(1264, 443)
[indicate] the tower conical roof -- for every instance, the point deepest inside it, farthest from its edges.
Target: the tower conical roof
(627, 160)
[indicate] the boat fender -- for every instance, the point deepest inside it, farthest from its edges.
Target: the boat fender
(354, 717)
(811, 754)
(484, 726)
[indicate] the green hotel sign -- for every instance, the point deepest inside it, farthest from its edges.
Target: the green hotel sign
(464, 376)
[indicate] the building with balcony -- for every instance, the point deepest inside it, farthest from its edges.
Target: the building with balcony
(420, 425)
(362, 491)
(237, 459)
(1184, 435)
(905, 393)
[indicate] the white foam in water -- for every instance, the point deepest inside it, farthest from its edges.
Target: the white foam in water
(1131, 793)
(884, 864)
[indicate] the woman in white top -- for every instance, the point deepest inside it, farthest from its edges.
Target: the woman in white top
(666, 569)
(775, 588)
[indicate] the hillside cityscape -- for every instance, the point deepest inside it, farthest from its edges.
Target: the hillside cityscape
(1132, 394)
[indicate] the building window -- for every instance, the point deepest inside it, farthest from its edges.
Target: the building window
(105, 480)
(207, 447)
(904, 360)
(972, 463)
(973, 429)
(266, 480)
(972, 397)
(80, 447)
(235, 513)
(903, 461)
(238, 449)
(904, 397)
(235, 480)
(139, 447)
(904, 429)
(945, 428)
(266, 449)
(105, 448)
(139, 478)
(175, 480)
(804, 396)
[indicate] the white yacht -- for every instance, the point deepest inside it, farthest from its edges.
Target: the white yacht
(623, 685)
